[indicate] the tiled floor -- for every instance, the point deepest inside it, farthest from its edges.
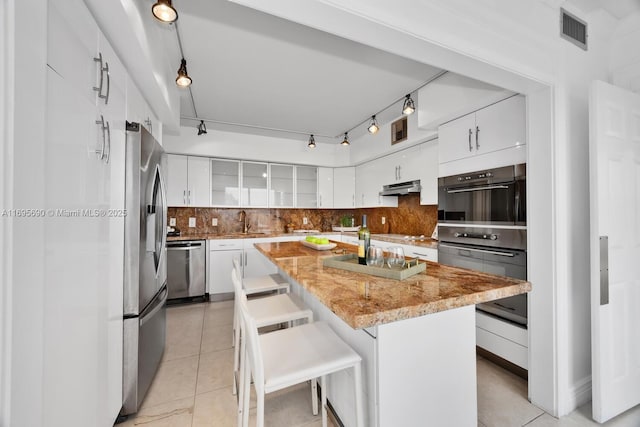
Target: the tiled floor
(193, 385)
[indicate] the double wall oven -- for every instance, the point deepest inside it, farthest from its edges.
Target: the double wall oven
(482, 226)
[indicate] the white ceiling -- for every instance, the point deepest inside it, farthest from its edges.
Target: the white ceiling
(617, 8)
(252, 68)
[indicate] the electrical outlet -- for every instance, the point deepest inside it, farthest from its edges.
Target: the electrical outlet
(305, 221)
(192, 222)
(214, 222)
(172, 222)
(384, 220)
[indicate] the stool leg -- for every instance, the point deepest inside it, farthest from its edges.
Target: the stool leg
(259, 407)
(357, 379)
(236, 358)
(323, 393)
(246, 388)
(314, 396)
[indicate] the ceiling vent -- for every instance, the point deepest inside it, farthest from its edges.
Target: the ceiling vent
(573, 29)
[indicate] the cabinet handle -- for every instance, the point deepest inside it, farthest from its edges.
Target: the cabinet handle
(184, 196)
(396, 176)
(399, 173)
(99, 87)
(189, 196)
(320, 200)
(477, 143)
(100, 152)
(470, 133)
(106, 97)
(246, 260)
(108, 152)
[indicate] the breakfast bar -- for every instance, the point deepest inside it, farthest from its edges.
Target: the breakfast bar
(416, 336)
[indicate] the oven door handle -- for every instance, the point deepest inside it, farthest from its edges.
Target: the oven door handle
(488, 187)
(484, 251)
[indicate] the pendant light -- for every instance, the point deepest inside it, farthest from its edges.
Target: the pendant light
(345, 141)
(164, 12)
(183, 79)
(202, 128)
(408, 107)
(373, 126)
(312, 142)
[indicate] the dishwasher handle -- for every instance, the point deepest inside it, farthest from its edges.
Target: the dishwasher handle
(187, 246)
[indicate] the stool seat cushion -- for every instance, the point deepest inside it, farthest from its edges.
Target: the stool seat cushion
(302, 353)
(271, 282)
(276, 309)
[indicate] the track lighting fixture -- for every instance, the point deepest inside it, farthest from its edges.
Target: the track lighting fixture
(202, 128)
(164, 12)
(408, 107)
(373, 126)
(312, 142)
(183, 79)
(345, 141)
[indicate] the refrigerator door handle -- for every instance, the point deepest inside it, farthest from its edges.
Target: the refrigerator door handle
(160, 301)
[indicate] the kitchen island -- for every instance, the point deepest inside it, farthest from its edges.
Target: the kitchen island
(416, 336)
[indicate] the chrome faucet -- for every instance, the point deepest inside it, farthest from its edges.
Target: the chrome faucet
(243, 220)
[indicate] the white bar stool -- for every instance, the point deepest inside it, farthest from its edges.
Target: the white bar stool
(291, 356)
(256, 285)
(268, 311)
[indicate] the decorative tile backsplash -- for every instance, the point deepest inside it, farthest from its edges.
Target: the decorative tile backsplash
(408, 218)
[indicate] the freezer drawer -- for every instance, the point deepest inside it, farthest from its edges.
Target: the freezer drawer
(144, 339)
(186, 268)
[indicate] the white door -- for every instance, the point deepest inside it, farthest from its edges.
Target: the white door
(325, 188)
(614, 136)
(344, 187)
(457, 138)
(256, 264)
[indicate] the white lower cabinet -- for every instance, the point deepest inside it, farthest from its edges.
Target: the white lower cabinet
(252, 262)
(502, 338)
(221, 254)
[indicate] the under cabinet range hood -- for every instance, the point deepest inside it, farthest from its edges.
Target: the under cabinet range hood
(401, 188)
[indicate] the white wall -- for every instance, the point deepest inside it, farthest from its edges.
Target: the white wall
(236, 145)
(367, 146)
(625, 55)
(515, 45)
(23, 172)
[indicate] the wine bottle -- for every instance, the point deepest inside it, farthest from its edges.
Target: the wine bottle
(363, 241)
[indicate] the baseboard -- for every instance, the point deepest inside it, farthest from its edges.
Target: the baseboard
(578, 395)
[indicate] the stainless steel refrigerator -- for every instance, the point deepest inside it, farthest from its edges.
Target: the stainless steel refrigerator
(145, 269)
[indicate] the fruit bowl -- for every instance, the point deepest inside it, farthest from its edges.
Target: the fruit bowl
(319, 246)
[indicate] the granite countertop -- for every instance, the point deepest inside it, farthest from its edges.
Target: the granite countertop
(393, 238)
(362, 300)
(214, 236)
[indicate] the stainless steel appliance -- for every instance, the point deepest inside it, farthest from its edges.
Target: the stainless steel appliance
(145, 279)
(499, 251)
(492, 197)
(186, 268)
(401, 188)
(482, 226)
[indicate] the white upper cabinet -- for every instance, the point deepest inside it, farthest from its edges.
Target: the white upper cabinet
(198, 180)
(429, 173)
(400, 166)
(187, 181)
(344, 187)
(497, 127)
(254, 185)
(225, 182)
(369, 182)
(306, 187)
(281, 186)
(177, 180)
(325, 188)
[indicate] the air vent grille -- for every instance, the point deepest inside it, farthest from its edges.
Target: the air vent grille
(573, 29)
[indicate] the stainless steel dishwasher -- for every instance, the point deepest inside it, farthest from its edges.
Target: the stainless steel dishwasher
(186, 269)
